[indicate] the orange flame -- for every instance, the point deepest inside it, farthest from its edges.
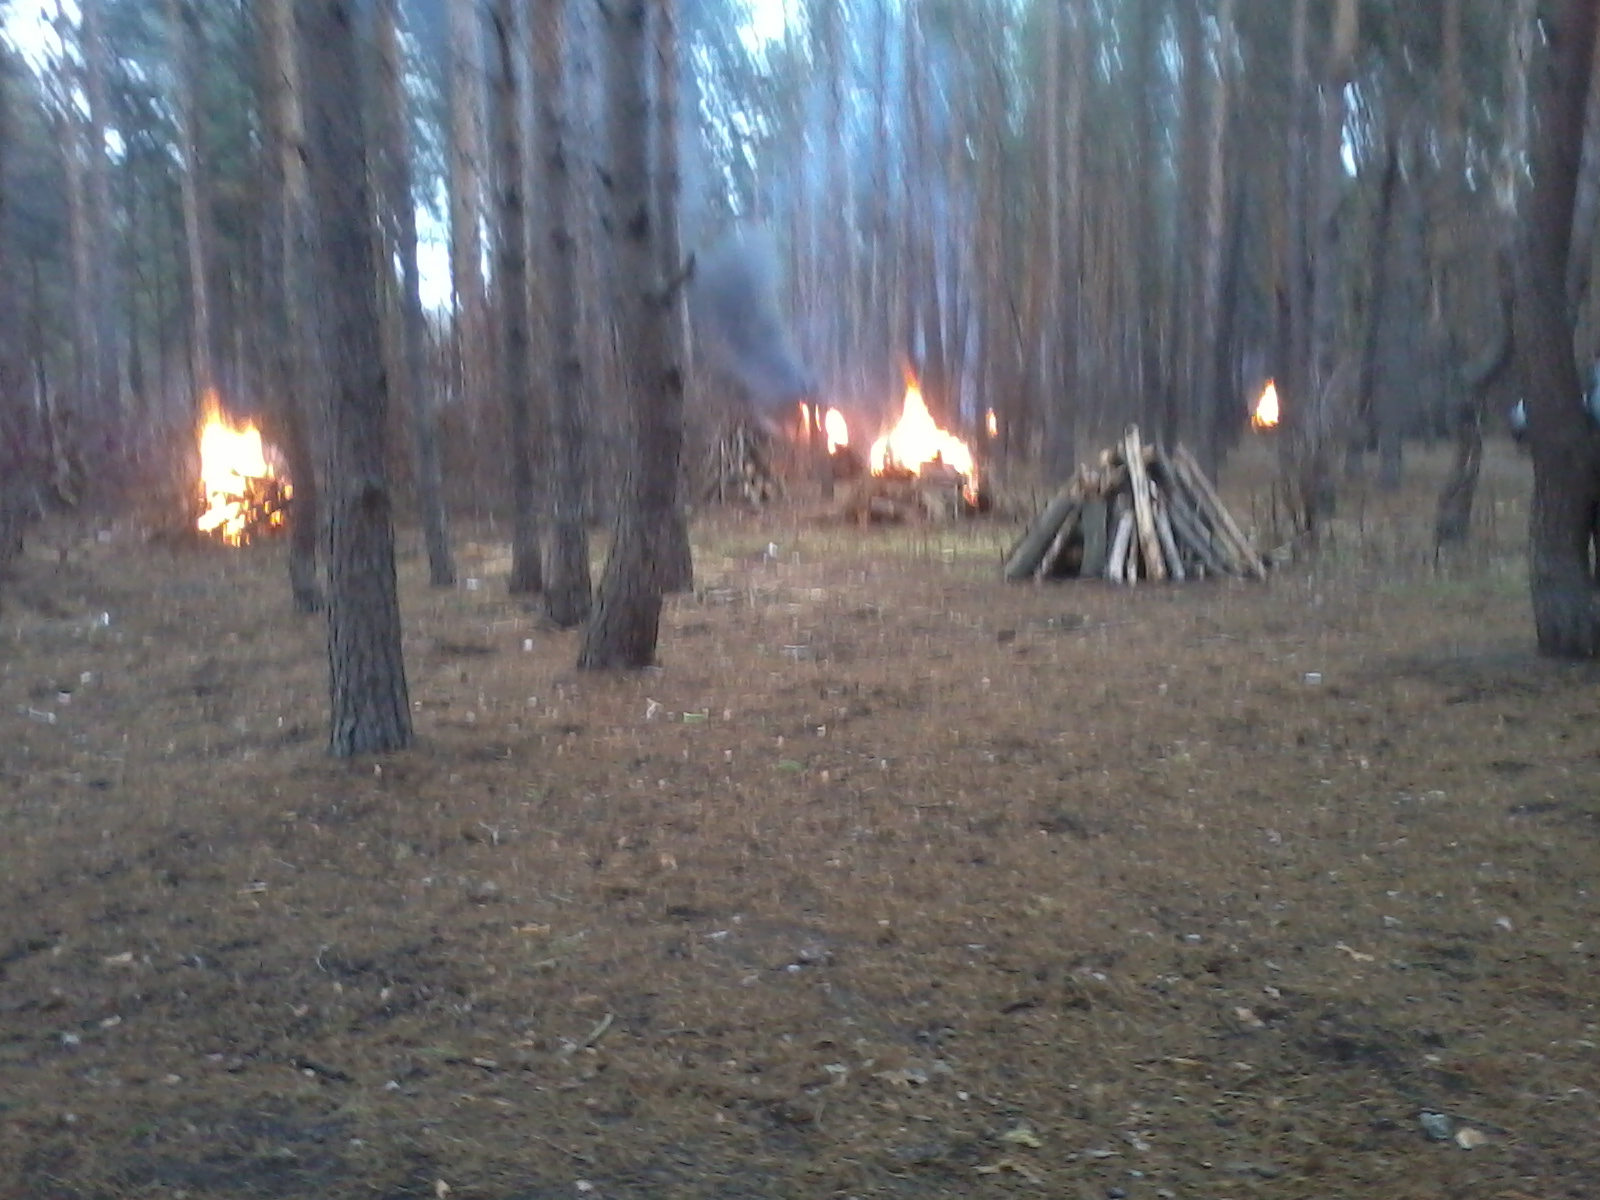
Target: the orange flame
(1266, 414)
(837, 429)
(991, 422)
(916, 440)
(230, 456)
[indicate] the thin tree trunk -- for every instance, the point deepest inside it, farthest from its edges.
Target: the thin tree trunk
(625, 627)
(1056, 402)
(1329, 396)
(370, 712)
(1205, 360)
(1385, 277)
(568, 591)
(394, 148)
(105, 374)
(1453, 518)
(286, 264)
(676, 561)
(1563, 437)
(511, 288)
(16, 460)
(76, 412)
(465, 190)
(182, 26)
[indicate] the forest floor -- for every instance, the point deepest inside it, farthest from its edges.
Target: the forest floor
(893, 881)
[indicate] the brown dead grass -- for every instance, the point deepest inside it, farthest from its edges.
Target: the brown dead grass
(894, 881)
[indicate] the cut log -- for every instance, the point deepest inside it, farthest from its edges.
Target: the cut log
(1169, 544)
(1058, 545)
(1143, 511)
(1121, 547)
(1192, 512)
(1197, 539)
(1024, 560)
(1201, 486)
(1096, 513)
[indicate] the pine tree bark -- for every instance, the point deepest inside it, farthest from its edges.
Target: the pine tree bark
(1206, 358)
(624, 630)
(16, 468)
(285, 302)
(105, 358)
(465, 191)
(195, 194)
(394, 150)
(1453, 518)
(370, 712)
(675, 559)
(511, 295)
(568, 590)
(1563, 437)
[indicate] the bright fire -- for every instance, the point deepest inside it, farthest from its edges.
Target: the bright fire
(916, 440)
(230, 456)
(1266, 414)
(991, 422)
(833, 424)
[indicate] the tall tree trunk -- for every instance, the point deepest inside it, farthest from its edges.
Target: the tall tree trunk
(394, 149)
(1185, 300)
(1453, 518)
(1329, 392)
(183, 32)
(1385, 276)
(71, 417)
(511, 295)
(1056, 402)
(1320, 389)
(465, 189)
(676, 561)
(625, 627)
(286, 264)
(105, 373)
(16, 465)
(1149, 251)
(1564, 439)
(568, 591)
(370, 712)
(1294, 298)
(1206, 356)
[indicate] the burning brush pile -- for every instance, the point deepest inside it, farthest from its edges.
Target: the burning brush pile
(242, 496)
(1141, 514)
(914, 471)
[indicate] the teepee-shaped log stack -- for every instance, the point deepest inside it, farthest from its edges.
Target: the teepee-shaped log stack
(1141, 514)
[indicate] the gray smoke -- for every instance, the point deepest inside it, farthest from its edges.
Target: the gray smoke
(739, 326)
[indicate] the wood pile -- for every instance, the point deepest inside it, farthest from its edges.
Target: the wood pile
(739, 467)
(1140, 514)
(897, 496)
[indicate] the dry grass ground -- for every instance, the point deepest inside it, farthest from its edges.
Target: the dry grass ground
(893, 882)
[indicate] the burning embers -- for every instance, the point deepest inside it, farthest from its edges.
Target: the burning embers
(242, 495)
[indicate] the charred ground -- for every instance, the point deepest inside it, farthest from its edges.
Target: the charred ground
(895, 881)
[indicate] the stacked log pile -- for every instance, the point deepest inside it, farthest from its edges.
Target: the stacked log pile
(739, 467)
(896, 495)
(1140, 514)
